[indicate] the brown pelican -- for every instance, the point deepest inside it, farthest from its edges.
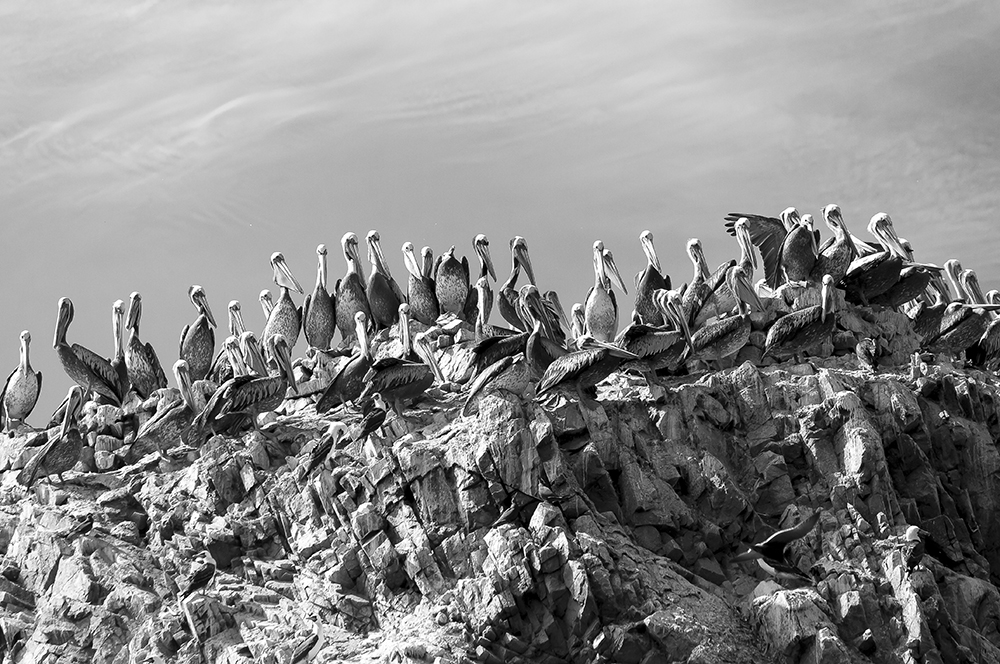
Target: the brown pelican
(84, 367)
(171, 424)
(927, 317)
(772, 554)
(285, 318)
(62, 451)
(144, 369)
(451, 282)
(483, 309)
(507, 303)
(649, 281)
(420, 288)
(803, 329)
(22, 388)
(721, 301)
(319, 318)
(725, 336)
(986, 351)
(836, 254)
(601, 308)
(248, 396)
(351, 297)
(118, 360)
(399, 380)
(349, 380)
(579, 322)
(787, 245)
(252, 354)
(872, 275)
(222, 370)
(703, 283)
(542, 346)
(482, 246)
(197, 346)
(914, 280)
(384, 296)
(583, 369)
(657, 347)
(964, 322)
(266, 303)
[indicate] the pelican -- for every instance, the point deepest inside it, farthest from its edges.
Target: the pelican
(803, 329)
(349, 380)
(647, 282)
(451, 282)
(541, 347)
(319, 318)
(266, 303)
(420, 288)
(787, 244)
(172, 423)
(62, 451)
(248, 396)
(874, 274)
(721, 301)
(399, 380)
(986, 351)
(351, 297)
(508, 293)
(601, 308)
(285, 318)
(384, 296)
(725, 336)
(197, 346)
(927, 317)
(583, 369)
(656, 347)
(703, 283)
(221, 369)
(144, 369)
(579, 322)
(836, 254)
(483, 309)
(252, 355)
(22, 388)
(118, 361)
(914, 281)
(84, 367)
(963, 323)
(482, 246)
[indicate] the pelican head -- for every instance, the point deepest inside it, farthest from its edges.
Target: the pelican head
(321, 266)
(63, 319)
(404, 327)
(646, 240)
(880, 226)
(610, 268)
(742, 228)
(913, 534)
(200, 301)
(250, 348)
(826, 298)
(232, 346)
(953, 270)
(600, 269)
(236, 326)
(427, 255)
(134, 311)
(790, 218)
(282, 275)
(993, 297)
(519, 256)
(482, 246)
(835, 220)
(182, 374)
(25, 342)
(118, 325)
(74, 402)
(361, 329)
(349, 243)
(579, 318)
(278, 347)
(970, 284)
(375, 255)
(810, 225)
(410, 261)
(697, 256)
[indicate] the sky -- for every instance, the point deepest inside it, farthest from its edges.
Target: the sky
(151, 146)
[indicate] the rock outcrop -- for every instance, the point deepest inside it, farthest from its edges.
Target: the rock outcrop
(532, 532)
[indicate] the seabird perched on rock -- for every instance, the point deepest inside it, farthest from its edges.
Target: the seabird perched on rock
(309, 647)
(917, 550)
(201, 576)
(772, 553)
(20, 392)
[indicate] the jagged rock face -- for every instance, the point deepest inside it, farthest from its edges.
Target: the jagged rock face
(534, 532)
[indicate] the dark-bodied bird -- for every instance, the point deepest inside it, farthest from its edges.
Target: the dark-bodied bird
(420, 286)
(658, 348)
(872, 275)
(221, 369)
(171, 424)
(451, 282)
(62, 451)
(805, 328)
(649, 281)
(867, 353)
(600, 310)
(84, 367)
(243, 397)
(482, 247)
(349, 379)
(772, 553)
(335, 434)
(384, 295)
(144, 369)
(583, 369)
(836, 254)
(399, 380)
(197, 346)
(319, 316)
(787, 244)
(253, 356)
(577, 322)
(351, 296)
(118, 359)
(507, 303)
(201, 575)
(702, 284)
(484, 308)
(916, 546)
(724, 337)
(285, 318)
(20, 392)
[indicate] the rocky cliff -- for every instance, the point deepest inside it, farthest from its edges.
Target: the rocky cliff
(531, 532)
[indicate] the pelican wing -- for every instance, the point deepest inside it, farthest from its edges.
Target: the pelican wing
(791, 534)
(767, 234)
(484, 378)
(569, 366)
(100, 366)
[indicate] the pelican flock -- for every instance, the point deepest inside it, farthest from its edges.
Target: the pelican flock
(371, 340)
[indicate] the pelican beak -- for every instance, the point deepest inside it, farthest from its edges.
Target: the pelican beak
(203, 302)
(351, 249)
(236, 326)
(410, 261)
(883, 229)
(646, 239)
(404, 327)
(279, 350)
(376, 255)
(134, 311)
(63, 319)
(519, 254)
(746, 244)
(838, 219)
(609, 263)
(183, 375)
(423, 348)
(282, 275)
(74, 401)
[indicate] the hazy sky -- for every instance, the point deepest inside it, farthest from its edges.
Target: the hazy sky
(152, 146)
